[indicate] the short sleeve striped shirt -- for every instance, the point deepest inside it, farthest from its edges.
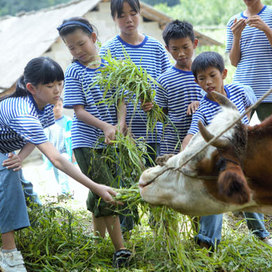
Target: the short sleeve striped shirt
(178, 90)
(208, 108)
(150, 55)
(22, 122)
(255, 66)
(79, 90)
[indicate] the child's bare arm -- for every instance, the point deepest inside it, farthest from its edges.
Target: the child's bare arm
(68, 168)
(108, 129)
(235, 52)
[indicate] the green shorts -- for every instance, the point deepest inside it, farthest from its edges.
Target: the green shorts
(263, 110)
(93, 164)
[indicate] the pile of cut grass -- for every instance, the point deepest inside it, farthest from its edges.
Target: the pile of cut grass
(61, 241)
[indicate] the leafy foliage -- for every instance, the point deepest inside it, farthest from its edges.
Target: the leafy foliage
(132, 84)
(207, 13)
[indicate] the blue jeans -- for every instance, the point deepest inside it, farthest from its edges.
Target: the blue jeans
(13, 211)
(211, 226)
(255, 223)
(210, 229)
(30, 196)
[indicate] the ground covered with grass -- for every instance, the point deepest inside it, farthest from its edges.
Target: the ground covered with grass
(61, 239)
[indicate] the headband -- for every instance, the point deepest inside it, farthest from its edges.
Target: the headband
(74, 23)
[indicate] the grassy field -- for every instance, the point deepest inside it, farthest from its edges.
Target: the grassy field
(61, 239)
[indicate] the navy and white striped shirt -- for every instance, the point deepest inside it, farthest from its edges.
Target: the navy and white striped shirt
(21, 122)
(255, 66)
(151, 56)
(208, 108)
(178, 90)
(78, 90)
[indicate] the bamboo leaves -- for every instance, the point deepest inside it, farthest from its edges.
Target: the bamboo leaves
(131, 83)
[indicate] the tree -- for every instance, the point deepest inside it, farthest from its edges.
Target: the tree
(169, 3)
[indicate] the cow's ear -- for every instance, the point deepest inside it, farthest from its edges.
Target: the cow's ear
(233, 187)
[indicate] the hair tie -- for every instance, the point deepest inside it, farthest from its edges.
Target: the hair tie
(75, 23)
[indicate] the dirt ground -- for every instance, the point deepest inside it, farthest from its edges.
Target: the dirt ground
(45, 184)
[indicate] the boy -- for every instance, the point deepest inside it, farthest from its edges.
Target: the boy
(249, 44)
(178, 88)
(209, 72)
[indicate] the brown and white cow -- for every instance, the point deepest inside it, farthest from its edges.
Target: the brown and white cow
(234, 174)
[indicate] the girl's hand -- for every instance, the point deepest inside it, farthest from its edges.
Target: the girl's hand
(13, 162)
(256, 21)
(237, 27)
(109, 133)
(192, 107)
(106, 193)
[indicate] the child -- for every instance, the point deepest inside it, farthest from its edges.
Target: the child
(92, 119)
(249, 44)
(209, 72)
(146, 52)
(59, 135)
(178, 89)
(23, 116)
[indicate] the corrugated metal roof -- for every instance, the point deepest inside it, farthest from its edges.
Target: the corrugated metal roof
(30, 35)
(27, 36)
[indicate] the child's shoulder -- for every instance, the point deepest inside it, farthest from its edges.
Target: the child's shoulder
(236, 88)
(74, 69)
(180, 74)
(153, 41)
(168, 72)
(110, 42)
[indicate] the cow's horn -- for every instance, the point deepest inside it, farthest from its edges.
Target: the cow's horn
(223, 100)
(220, 143)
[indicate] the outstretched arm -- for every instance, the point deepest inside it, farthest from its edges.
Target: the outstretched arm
(68, 168)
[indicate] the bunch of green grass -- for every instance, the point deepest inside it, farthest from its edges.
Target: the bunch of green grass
(131, 83)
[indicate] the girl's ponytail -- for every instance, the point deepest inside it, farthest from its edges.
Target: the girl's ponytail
(21, 89)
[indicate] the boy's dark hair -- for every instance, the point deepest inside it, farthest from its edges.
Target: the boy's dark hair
(72, 24)
(42, 70)
(117, 7)
(178, 30)
(206, 60)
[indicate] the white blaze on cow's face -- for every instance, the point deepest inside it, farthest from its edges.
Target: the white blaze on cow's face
(176, 190)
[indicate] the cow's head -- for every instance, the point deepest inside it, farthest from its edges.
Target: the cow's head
(221, 162)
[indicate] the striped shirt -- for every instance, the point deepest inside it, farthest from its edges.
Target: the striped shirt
(178, 90)
(208, 108)
(255, 66)
(79, 90)
(21, 122)
(150, 55)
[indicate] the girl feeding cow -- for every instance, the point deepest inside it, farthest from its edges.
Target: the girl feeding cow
(23, 116)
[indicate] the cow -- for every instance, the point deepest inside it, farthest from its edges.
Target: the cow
(234, 173)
